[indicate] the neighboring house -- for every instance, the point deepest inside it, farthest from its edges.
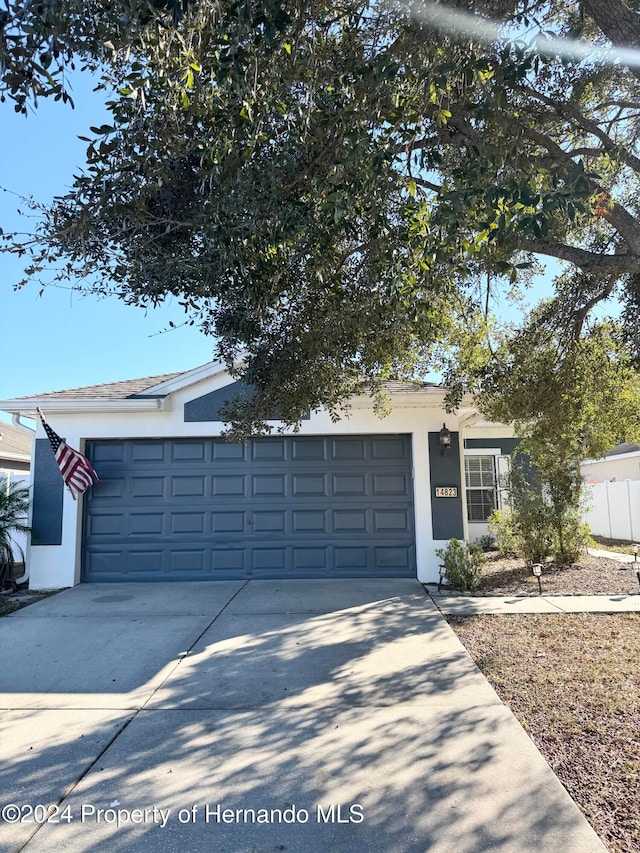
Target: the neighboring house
(15, 459)
(621, 463)
(15, 450)
(362, 497)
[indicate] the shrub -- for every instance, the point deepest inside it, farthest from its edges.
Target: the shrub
(486, 542)
(463, 564)
(14, 506)
(571, 538)
(501, 527)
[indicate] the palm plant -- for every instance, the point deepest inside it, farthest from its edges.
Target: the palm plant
(14, 508)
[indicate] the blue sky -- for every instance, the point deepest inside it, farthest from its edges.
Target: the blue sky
(62, 340)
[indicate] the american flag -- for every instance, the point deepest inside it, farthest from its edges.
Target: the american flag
(77, 472)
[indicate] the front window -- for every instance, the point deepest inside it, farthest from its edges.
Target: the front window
(480, 481)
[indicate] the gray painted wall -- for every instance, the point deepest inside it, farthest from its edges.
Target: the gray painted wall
(446, 513)
(209, 406)
(48, 491)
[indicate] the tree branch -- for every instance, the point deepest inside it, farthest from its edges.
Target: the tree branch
(588, 261)
(566, 111)
(618, 22)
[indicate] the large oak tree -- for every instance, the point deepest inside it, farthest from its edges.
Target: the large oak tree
(339, 191)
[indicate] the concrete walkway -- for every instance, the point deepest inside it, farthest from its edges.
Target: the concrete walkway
(469, 605)
(347, 711)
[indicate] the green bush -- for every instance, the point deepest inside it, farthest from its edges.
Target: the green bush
(463, 564)
(501, 528)
(486, 542)
(570, 539)
(14, 506)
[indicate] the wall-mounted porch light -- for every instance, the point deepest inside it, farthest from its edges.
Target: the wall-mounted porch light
(445, 441)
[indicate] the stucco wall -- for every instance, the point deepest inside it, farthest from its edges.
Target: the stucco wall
(54, 566)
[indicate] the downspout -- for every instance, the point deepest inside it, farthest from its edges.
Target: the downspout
(15, 420)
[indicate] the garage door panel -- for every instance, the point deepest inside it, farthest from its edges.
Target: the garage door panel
(388, 448)
(390, 484)
(228, 522)
(148, 451)
(147, 487)
(188, 522)
(269, 560)
(268, 449)
(146, 523)
(224, 486)
(309, 450)
(309, 485)
(189, 509)
(191, 451)
(345, 484)
(187, 561)
(305, 521)
(309, 559)
(188, 487)
(348, 449)
(225, 450)
(228, 563)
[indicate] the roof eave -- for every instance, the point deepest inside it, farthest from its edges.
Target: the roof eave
(189, 377)
(14, 457)
(631, 455)
(28, 408)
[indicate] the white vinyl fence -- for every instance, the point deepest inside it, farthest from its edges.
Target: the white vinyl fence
(19, 539)
(615, 510)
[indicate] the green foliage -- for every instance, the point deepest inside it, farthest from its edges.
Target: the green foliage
(571, 538)
(486, 542)
(532, 516)
(501, 527)
(546, 516)
(338, 194)
(463, 564)
(14, 508)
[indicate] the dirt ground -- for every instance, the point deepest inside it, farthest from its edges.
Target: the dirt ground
(573, 681)
(591, 576)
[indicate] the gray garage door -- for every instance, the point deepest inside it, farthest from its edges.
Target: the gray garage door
(287, 507)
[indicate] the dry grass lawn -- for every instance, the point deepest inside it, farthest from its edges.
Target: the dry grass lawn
(573, 681)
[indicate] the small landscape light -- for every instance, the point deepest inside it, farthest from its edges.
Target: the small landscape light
(443, 572)
(536, 568)
(636, 548)
(445, 441)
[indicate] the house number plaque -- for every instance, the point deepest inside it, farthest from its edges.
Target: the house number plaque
(446, 491)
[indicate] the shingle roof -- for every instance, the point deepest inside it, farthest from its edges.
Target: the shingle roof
(395, 385)
(14, 441)
(626, 447)
(109, 391)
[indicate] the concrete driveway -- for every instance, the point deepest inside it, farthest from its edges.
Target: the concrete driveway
(263, 716)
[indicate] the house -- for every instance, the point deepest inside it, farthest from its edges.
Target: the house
(619, 464)
(15, 450)
(361, 497)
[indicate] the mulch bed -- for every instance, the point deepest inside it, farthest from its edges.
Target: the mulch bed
(573, 682)
(591, 576)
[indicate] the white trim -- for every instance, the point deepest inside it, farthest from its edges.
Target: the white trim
(483, 451)
(191, 377)
(49, 405)
(14, 457)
